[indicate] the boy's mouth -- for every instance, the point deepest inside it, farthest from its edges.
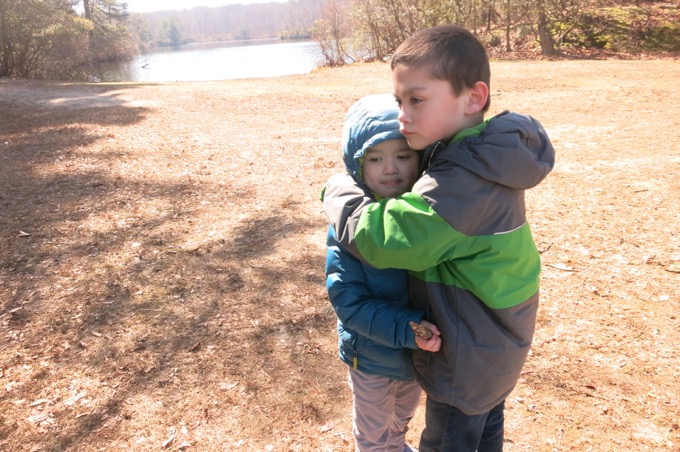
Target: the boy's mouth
(392, 182)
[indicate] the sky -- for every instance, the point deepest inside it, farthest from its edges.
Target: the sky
(145, 6)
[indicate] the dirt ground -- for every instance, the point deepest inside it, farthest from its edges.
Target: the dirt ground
(162, 254)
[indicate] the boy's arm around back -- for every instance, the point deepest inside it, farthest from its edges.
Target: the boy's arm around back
(403, 232)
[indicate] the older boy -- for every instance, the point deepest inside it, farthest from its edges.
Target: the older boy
(462, 232)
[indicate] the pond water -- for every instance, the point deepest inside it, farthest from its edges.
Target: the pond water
(216, 61)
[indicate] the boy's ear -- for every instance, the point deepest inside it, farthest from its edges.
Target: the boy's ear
(477, 96)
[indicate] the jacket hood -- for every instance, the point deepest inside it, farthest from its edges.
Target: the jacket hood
(370, 121)
(512, 150)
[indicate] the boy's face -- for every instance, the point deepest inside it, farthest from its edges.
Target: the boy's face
(429, 109)
(390, 168)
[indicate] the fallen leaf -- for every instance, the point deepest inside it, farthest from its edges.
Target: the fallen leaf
(168, 441)
(327, 427)
(195, 347)
(39, 402)
(41, 418)
(228, 386)
(673, 268)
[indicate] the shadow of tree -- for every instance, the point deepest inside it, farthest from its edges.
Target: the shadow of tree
(111, 298)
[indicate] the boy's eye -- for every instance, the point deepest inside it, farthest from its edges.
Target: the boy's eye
(404, 157)
(416, 100)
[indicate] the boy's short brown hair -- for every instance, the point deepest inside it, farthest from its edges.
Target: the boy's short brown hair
(452, 53)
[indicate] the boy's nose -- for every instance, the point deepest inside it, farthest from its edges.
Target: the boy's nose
(390, 167)
(403, 116)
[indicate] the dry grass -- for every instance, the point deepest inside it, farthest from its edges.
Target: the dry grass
(162, 251)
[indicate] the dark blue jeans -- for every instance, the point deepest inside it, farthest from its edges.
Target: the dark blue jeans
(447, 429)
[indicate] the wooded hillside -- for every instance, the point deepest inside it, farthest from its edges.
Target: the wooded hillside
(294, 19)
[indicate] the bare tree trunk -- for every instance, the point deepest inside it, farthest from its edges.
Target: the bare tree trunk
(4, 40)
(330, 32)
(87, 6)
(508, 19)
(545, 38)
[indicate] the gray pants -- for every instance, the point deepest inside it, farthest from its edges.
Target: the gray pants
(382, 410)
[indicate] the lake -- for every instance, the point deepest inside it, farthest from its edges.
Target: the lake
(216, 61)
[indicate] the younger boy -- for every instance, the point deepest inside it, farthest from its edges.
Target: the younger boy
(462, 232)
(372, 305)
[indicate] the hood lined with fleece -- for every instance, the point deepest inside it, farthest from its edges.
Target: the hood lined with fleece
(370, 121)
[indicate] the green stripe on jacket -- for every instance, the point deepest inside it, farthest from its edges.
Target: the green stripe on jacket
(502, 269)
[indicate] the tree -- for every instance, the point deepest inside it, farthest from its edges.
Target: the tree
(545, 38)
(108, 35)
(379, 26)
(170, 34)
(50, 39)
(551, 21)
(174, 34)
(331, 32)
(387, 23)
(508, 24)
(40, 39)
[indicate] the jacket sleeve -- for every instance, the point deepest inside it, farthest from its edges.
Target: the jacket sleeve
(343, 200)
(375, 318)
(403, 232)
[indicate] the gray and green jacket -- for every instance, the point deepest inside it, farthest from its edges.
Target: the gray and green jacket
(474, 267)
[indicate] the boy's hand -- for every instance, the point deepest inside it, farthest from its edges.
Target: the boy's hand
(431, 344)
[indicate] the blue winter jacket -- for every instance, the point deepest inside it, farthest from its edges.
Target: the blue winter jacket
(372, 305)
